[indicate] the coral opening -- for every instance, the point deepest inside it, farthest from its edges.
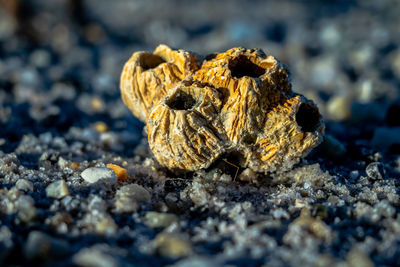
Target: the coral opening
(242, 66)
(308, 117)
(149, 61)
(181, 101)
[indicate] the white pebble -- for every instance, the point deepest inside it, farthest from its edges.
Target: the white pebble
(95, 174)
(58, 189)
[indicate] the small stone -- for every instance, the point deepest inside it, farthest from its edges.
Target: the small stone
(62, 163)
(129, 196)
(58, 189)
(354, 174)
(40, 58)
(357, 258)
(196, 261)
(101, 127)
(95, 174)
(97, 104)
(314, 226)
(106, 226)
(24, 185)
(74, 165)
(119, 171)
(339, 108)
(40, 246)
(375, 171)
(6, 242)
(173, 245)
(60, 221)
(26, 209)
(157, 219)
(97, 255)
(248, 175)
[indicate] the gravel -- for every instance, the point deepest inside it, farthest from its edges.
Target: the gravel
(95, 174)
(58, 189)
(62, 122)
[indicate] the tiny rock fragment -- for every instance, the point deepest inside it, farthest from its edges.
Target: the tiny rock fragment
(58, 189)
(128, 197)
(358, 258)
(24, 185)
(101, 127)
(339, 108)
(375, 171)
(40, 246)
(95, 174)
(238, 107)
(74, 165)
(106, 226)
(173, 245)
(147, 77)
(314, 226)
(97, 104)
(157, 219)
(119, 171)
(97, 255)
(248, 175)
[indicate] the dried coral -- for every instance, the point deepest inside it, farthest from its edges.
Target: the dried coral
(185, 126)
(237, 104)
(147, 77)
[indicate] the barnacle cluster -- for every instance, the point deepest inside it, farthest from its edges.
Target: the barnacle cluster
(233, 104)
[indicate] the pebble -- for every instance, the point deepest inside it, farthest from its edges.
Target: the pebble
(62, 163)
(24, 185)
(375, 171)
(95, 174)
(157, 219)
(339, 108)
(95, 256)
(101, 127)
(173, 245)
(40, 246)
(6, 242)
(26, 209)
(106, 226)
(197, 261)
(119, 171)
(357, 258)
(57, 189)
(354, 174)
(129, 196)
(248, 175)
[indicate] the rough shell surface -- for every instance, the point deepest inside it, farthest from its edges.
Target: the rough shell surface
(147, 77)
(238, 106)
(184, 129)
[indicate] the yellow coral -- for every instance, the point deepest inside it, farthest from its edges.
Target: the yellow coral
(238, 103)
(147, 77)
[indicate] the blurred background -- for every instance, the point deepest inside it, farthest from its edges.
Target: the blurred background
(60, 61)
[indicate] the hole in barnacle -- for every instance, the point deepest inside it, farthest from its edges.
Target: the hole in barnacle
(181, 101)
(242, 66)
(150, 61)
(307, 117)
(211, 56)
(230, 163)
(249, 139)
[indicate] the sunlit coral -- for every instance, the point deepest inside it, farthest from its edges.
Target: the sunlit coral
(237, 104)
